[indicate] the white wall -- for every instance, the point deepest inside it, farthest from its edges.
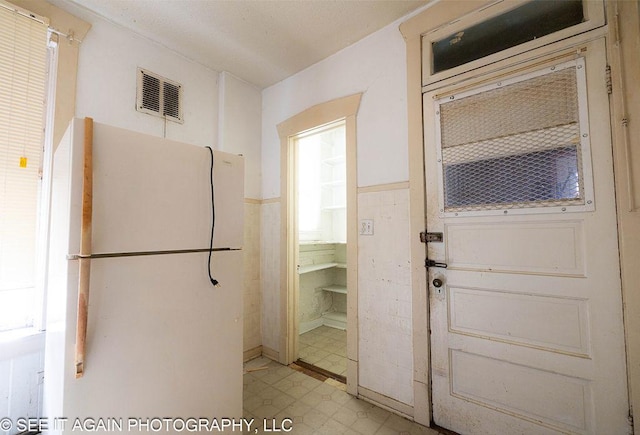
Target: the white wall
(108, 61)
(375, 66)
(239, 133)
(21, 377)
(240, 128)
(385, 348)
(270, 274)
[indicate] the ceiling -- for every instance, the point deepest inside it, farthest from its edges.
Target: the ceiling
(260, 41)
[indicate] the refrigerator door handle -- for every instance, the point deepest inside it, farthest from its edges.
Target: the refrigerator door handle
(142, 253)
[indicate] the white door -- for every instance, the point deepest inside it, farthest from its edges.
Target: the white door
(526, 328)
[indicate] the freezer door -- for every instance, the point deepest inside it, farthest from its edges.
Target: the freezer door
(153, 194)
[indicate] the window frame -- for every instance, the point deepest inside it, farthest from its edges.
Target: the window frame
(36, 313)
(594, 17)
(585, 143)
(67, 32)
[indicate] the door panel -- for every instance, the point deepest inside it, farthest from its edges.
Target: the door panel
(527, 332)
(520, 247)
(551, 323)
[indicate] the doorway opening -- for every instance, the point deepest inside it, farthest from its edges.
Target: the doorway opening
(323, 117)
(321, 227)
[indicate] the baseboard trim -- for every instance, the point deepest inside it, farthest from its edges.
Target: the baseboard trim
(385, 402)
(270, 353)
(310, 325)
(384, 187)
(252, 353)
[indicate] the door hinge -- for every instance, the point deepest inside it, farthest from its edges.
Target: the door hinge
(608, 81)
(426, 237)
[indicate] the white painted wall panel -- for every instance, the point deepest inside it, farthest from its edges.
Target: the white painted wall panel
(252, 300)
(375, 66)
(108, 61)
(21, 372)
(384, 296)
(270, 274)
(240, 120)
(240, 128)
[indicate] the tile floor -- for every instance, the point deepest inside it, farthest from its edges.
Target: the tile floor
(274, 391)
(325, 347)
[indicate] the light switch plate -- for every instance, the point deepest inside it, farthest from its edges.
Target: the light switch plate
(366, 227)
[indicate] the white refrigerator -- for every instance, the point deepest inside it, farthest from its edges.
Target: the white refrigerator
(162, 341)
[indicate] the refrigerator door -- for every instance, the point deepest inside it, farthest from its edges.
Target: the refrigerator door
(162, 341)
(153, 194)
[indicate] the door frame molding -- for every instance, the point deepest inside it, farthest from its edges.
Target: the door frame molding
(622, 36)
(345, 108)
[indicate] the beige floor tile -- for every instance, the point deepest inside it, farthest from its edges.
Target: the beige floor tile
(379, 414)
(315, 418)
(296, 410)
(326, 348)
(417, 429)
(265, 412)
(366, 426)
(302, 429)
(357, 405)
(282, 401)
(252, 403)
(316, 408)
(332, 427)
(255, 386)
(399, 423)
(345, 416)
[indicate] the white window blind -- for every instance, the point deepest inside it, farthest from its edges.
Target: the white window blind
(23, 59)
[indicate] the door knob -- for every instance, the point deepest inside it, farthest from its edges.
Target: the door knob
(437, 283)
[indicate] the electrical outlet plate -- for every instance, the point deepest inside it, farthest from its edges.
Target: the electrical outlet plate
(366, 227)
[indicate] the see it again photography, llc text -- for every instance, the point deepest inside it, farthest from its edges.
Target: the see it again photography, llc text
(155, 424)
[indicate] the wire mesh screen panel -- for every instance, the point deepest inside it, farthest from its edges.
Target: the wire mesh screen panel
(514, 145)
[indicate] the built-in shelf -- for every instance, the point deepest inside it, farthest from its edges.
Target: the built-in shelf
(315, 267)
(341, 265)
(334, 160)
(336, 183)
(336, 289)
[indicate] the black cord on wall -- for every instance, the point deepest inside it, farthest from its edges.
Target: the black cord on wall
(213, 220)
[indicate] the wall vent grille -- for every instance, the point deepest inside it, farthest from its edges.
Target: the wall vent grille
(159, 96)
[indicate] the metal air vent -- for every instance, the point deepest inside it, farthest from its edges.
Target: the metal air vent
(159, 96)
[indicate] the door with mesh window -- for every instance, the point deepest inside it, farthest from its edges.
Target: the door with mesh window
(526, 319)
